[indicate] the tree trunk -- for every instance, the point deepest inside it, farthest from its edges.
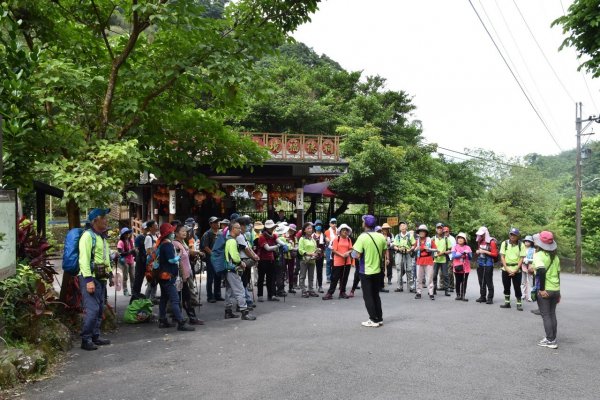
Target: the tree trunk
(342, 209)
(371, 204)
(68, 280)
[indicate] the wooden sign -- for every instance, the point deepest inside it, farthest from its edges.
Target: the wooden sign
(392, 221)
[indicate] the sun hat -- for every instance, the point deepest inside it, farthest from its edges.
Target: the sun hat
(377, 229)
(545, 241)
(422, 227)
(97, 212)
(528, 238)
(345, 226)
(293, 227)
(166, 229)
(481, 231)
(369, 220)
(462, 235)
(212, 220)
(224, 222)
(281, 230)
(259, 226)
(269, 224)
(514, 231)
(333, 220)
(386, 226)
(124, 231)
(318, 222)
(439, 225)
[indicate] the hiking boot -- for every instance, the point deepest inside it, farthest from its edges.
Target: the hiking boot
(489, 301)
(431, 297)
(100, 342)
(464, 299)
(351, 293)
(196, 321)
(446, 293)
(382, 290)
(321, 289)
(305, 295)
(246, 316)
(480, 300)
(519, 307)
(164, 323)
(260, 299)
(88, 345)
(458, 298)
(328, 296)
(184, 327)
(399, 290)
(505, 305)
(229, 314)
(418, 296)
(126, 292)
(211, 300)
(292, 291)
(343, 295)
(274, 298)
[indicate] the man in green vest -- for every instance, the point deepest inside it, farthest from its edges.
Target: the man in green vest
(442, 243)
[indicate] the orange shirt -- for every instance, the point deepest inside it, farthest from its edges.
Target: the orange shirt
(341, 245)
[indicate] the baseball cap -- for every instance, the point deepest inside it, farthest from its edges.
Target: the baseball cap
(439, 225)
(213, 219)
(191, 222)
(514, 231)
(333, 220)
(97, 212)
(369, 220)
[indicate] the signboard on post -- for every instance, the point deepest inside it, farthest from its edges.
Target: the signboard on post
(299, 199)
(8, 233)
(392, 221)
(172, 202)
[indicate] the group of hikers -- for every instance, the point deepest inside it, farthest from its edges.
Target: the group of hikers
(240, 254)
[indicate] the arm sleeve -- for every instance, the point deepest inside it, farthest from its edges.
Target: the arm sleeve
(85, 254)
(455, 254)
(121, 248)
(148, 243)
(301, 247)
(493, 249)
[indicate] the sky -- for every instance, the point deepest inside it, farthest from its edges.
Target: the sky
(439, 53)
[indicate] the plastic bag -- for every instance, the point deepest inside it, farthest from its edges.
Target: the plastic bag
(138, 311)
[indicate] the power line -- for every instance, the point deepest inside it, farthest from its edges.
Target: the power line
(481, 158)
(543, 53)
(514, 76)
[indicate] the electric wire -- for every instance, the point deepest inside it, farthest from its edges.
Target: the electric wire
(514, 76)
(481, 158)
(543, 53)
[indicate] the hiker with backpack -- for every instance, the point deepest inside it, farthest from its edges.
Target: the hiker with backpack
(461, 265)
(342, 261)
(234, 269)
(452, 240)
(512, 254)
(308, 252)
(386, 231)
(268, 246)
(247, 255)
(93, 261)
(370, 252)
(213, 279)
(140, 262)
(126, 250)
(320, 239)
(402, 245)
(150, 243)
(166, 275)
(546, 265)
(186, 272)
(444, 247)
(426, 250)
(487, 254)
(527, 278)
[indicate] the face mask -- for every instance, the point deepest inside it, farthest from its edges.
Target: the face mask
(318, 228)
(171, 236)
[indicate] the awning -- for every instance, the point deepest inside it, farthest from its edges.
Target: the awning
(321, 188)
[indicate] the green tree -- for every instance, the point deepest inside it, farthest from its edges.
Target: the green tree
(590, 228)
(580, 24)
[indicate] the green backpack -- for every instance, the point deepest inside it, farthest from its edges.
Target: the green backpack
(138, 311)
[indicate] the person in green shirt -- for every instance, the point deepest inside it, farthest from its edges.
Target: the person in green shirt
(444, 247)
(307, 249)
(403, 245)
(233, 276)
(547, 269)
(94, 271)
(370, 248)
(512, 254)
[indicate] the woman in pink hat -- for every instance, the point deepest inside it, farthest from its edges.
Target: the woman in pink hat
(461, 265)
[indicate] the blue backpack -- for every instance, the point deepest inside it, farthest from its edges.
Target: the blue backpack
(71, 250)
(217, 256)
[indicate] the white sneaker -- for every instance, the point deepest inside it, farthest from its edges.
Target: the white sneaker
(370, 324)
(543, 343)
(552, 344)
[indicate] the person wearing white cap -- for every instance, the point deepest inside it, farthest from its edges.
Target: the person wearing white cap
(267, 247)
(403, 245)
(527, 280)
(546, 265)
(461, 264)
(425, 248)
(487, 251)
(342, 261)
(280, 265)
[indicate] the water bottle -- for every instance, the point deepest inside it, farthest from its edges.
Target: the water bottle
(179, 283)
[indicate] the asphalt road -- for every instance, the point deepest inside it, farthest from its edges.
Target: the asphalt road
(313, 349)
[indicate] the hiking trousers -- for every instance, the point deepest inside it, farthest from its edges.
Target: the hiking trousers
(443, 268)
(266, 270)
(234, 291)
(548, 311)
(307, 266)
(213, 281)
(93, 308)
(370, 289)
(516, 283)
(425, 271)
(404, 267)
(339, 274)
(461, 283)
(485, 275)
(138, 280)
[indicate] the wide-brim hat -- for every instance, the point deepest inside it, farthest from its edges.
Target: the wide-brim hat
(545, 241)
(166, 229)
(293, 227)
(269, 224)
(528, 238)
(282, 229)
(462, 235)
(124, 231)
(422, 228)
(386, 226)
(224, 222)
(345, 226)
(259, 226)
(481, 231)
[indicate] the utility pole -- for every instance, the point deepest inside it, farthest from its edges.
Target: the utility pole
(578, 124)
(578, 181)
